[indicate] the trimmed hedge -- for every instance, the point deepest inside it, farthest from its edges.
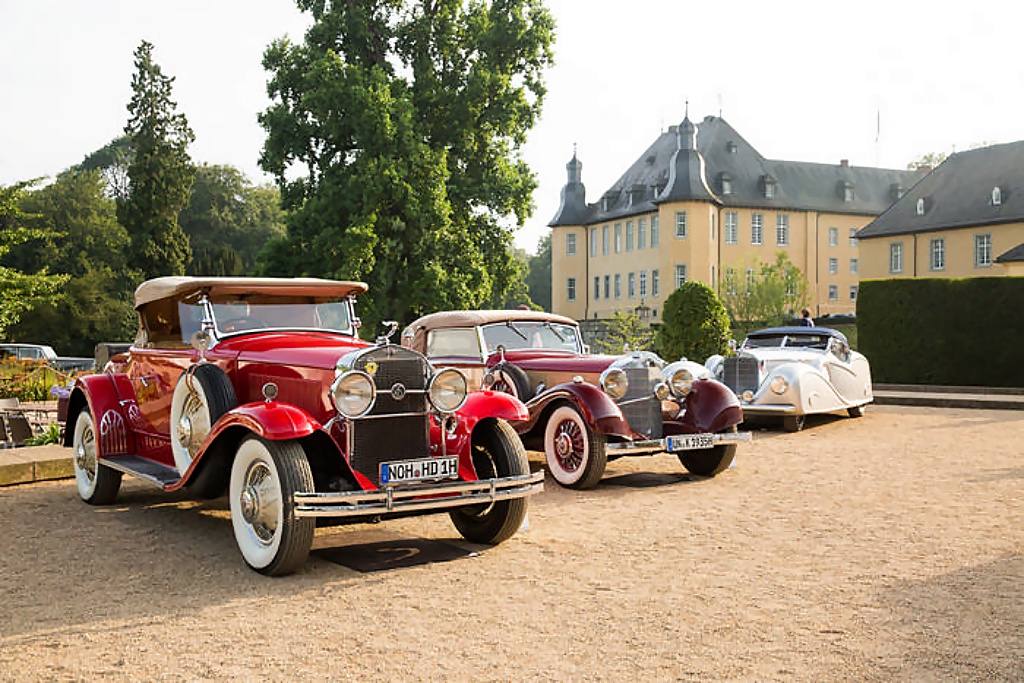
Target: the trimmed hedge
(967, 332)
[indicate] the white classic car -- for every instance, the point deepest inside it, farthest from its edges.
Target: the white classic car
(790, 372)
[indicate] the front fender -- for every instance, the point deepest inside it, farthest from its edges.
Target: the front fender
(595, 406)
(710, 407)
(486, 403)
(269, 419)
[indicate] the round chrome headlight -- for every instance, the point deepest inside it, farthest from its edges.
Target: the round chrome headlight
(614, 382)
(779, 384)
(661, 391)
(448, 390)
(681, 382)
(353, 393)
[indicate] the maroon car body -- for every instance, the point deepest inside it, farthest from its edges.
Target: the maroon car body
(260, 388)
(585, 409)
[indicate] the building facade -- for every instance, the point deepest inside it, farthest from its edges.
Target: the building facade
(964, 219)
(702, 204)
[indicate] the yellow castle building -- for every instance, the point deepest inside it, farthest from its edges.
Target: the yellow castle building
(701, 203)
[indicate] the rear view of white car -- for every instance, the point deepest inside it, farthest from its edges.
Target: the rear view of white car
(791, 372)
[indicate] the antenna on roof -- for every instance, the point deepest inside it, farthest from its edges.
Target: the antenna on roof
(719, 105)
(686, 113)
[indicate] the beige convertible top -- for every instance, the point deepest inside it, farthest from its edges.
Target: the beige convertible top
(176, 286)
(434, 321)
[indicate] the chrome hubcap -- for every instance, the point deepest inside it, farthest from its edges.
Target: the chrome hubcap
(259, 502)
(85, 453)
(569, 446)
(185, 430)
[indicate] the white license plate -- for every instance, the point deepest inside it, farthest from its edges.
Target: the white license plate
(690, 442)
(404, 471)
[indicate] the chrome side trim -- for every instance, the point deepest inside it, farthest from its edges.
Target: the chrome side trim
(410, 498)
(658, 445)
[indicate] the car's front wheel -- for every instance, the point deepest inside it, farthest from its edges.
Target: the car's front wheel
(97, 484)
(497, 452)
(576, 455)
(793, 423)
(856, 411)
(265, 476)
(709, 462)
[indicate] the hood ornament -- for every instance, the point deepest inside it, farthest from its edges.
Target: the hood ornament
(386, 337)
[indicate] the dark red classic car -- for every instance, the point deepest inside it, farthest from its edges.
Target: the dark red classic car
(586, 409)
(260, 388)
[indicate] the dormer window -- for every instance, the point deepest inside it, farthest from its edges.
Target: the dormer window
(725, 182)
(997, 196)
(896, 191)
(730, 147)
(845, 190)
(768, 186)
(920, 207)
(604, 203)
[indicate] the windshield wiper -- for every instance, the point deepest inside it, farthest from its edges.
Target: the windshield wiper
(551, 327)
(516, 330)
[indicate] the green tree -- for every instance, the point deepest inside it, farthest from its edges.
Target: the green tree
(769, 295)
(539, 277)
(160, 172)
(20, 292)
(394, 135)
(695, 324)
(228, 221)
(112, 160)
(625, 332)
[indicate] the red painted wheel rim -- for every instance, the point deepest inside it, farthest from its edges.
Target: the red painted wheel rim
(570, 443)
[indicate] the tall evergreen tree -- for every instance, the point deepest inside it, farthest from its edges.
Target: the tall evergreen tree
(405, 119)
(160, 172)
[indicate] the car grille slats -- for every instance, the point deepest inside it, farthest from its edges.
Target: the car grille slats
(639, 406)
(406, 436)
(740, 374)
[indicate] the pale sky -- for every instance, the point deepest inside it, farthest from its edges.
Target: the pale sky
(802, 81)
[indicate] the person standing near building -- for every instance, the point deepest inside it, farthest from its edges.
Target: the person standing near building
(805, 318)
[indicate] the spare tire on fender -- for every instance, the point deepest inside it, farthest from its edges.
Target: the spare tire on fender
(201, 396)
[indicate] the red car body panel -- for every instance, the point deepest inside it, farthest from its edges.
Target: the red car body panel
(595, 406)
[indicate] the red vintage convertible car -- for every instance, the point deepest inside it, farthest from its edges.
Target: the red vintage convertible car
(586, 409)
(260, 388)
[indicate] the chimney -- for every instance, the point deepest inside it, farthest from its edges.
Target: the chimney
(924, 169)
(845, 163)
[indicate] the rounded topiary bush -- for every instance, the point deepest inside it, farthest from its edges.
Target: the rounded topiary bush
(695, 324)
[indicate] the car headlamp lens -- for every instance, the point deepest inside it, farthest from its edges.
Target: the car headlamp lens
(681, 382)
(779, 384)
(661, 391)
(353, 394)
(615, 383)
(448, 390)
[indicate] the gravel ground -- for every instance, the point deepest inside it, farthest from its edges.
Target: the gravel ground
(877, 549)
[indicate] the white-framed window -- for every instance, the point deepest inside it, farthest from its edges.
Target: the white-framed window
(750, 280)
(782, 230)
(593, 241)
(604, 240)
(997, 196)
(920, 207)
(641, 233)
(629, 235)
(983, 250)
(570, 289)
(680, 274)
(896, 257)
(854, 265)
(607, 286)
(654, 282)
(618, 285)
(833, 237)
(680, 224)
(643, 283)
(853, 292)
(848, 193)
(757, 228)
(730, 280)
(937, 251)
(732, 227)
(853, 237)
(833, 266)
(618, 238)
(654, 231)
(570, 244)
(631, 285)
(597, 286)
(833, 292)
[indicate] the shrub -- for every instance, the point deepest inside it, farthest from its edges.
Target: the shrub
(695, 324)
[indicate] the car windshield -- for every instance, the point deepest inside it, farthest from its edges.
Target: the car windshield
(278, 313)
(789, 341)
(514, 335)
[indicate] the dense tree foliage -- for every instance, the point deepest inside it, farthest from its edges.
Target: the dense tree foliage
(625, 332)
(394, 135)
(228, 221)
(694, 324)
(539, 277)
(112, 160)
(769, 294)
(20, 290)
(160, 172)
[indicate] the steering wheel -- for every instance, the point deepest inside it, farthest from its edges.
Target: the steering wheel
(244, 322)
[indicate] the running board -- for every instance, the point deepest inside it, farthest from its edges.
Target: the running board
(148, 471)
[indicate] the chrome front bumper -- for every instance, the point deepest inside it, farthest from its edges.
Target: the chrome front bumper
(411, 498)
(768, 409)
(659, 445)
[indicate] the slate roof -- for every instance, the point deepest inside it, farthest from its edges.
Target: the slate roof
(727, 155)
(1015, 255)
(958, 193)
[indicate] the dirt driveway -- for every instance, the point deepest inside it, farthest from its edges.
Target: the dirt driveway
(885, 548)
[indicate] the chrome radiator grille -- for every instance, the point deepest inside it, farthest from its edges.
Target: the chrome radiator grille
(740, 374)
(639, 406)
(406, 436)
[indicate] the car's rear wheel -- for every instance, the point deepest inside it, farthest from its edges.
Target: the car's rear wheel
(497, 452)
(203, 393)
(793, 423)
(265, 476)
(856, 411)
(576, 455)
(709, 462)
(97, 484)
